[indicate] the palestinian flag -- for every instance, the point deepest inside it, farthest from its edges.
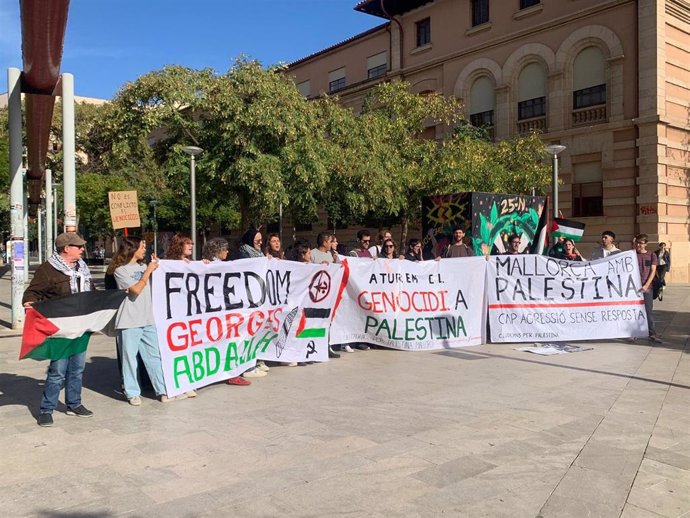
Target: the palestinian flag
(58, 328)
(540, 234)
(568, 228)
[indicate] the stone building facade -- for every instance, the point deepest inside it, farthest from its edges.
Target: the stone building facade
(608, 79)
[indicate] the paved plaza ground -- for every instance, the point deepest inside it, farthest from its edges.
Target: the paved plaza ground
(481, 431)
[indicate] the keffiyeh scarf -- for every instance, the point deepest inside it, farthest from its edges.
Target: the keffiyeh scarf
(79, 277)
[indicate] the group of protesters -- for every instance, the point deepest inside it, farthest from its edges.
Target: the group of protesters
(66, 273)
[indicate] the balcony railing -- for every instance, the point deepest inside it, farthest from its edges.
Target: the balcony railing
(534, 124)
(590, 115)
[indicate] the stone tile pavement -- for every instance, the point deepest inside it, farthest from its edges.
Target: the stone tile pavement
(482, 431)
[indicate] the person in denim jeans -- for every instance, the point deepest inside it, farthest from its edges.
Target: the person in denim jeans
(63, 274)
(135, 322)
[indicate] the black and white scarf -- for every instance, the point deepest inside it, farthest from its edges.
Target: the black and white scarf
(79, 277)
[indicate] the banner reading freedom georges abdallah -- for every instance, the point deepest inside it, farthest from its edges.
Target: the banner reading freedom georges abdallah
(215, 320)
(533, 298)
(412, 306)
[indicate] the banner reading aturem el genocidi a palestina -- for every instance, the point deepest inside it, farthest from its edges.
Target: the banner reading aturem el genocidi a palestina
(215, 320)
(533, 298)
(413, 306)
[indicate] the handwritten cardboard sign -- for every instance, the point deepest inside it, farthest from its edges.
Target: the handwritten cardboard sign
(124, 209)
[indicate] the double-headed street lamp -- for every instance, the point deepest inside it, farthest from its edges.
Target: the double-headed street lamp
(192, 151)
(554, 150)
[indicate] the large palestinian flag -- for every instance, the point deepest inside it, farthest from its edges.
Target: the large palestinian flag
(58, 328)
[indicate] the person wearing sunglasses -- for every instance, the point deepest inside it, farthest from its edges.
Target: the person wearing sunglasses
(388, 250)
(64, 273)
(414, 250)
(363, 242)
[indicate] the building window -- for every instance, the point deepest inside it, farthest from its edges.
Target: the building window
(377, 65)
(336, 80)
(524, 4)
(424, 32)
(378, 71)
(480, 12)
(304, 88)
(592, 96)
(588, 199)
(483, 119)
(532, 108)
(482, 102)
(588, 189)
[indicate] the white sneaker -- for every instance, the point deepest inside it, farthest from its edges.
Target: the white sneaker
(347, 349)
(291, 364)
(256, 373)
(262, 366)
(135, 401)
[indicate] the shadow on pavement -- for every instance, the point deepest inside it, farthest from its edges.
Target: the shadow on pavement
(21, 390)
(101, 375)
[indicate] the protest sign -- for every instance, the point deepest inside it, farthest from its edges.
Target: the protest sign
(537, 298)
(215, 320)
(124, 209)
(412, 306)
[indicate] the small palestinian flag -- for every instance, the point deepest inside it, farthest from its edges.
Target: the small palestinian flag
(59, 328)
(568, 228)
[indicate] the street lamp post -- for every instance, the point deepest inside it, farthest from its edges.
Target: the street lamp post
(554, 150)
(192, 151)
(153, 204)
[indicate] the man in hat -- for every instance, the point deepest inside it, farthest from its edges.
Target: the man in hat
(64, 273)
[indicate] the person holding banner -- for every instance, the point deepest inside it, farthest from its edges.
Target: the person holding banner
(457, 248)
(363, 242)
(322, 253)
(274, 248)
(647, 261)
(134, 322)
(414, 250)
(334, 249)
(216, 250)
(513, 245)
(388, 250)
(180, 248)
(251, 244)
(570, 253)
(607, 247)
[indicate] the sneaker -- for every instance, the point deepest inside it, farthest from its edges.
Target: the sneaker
(655, 339)
(255, 373)
(163, 398)
(262, 366)
(332, 353)
(135, 401)
(191, 394)
(362, 347)
(347, 349)
(291, 364)
(80, 411)
(45, 420)
(239, 381)
(660, 296)
(631, 339)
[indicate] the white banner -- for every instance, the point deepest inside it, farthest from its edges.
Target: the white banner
(534, 298)
(412, 306)
(215, 320)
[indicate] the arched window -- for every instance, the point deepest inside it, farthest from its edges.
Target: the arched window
(482, 102)
(532, 92)
(589, 78)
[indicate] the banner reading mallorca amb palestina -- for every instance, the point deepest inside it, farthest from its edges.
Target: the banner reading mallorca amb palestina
(533, 298)
(412, 306)
(215, 320)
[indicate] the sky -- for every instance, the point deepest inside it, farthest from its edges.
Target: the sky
(111, 42)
